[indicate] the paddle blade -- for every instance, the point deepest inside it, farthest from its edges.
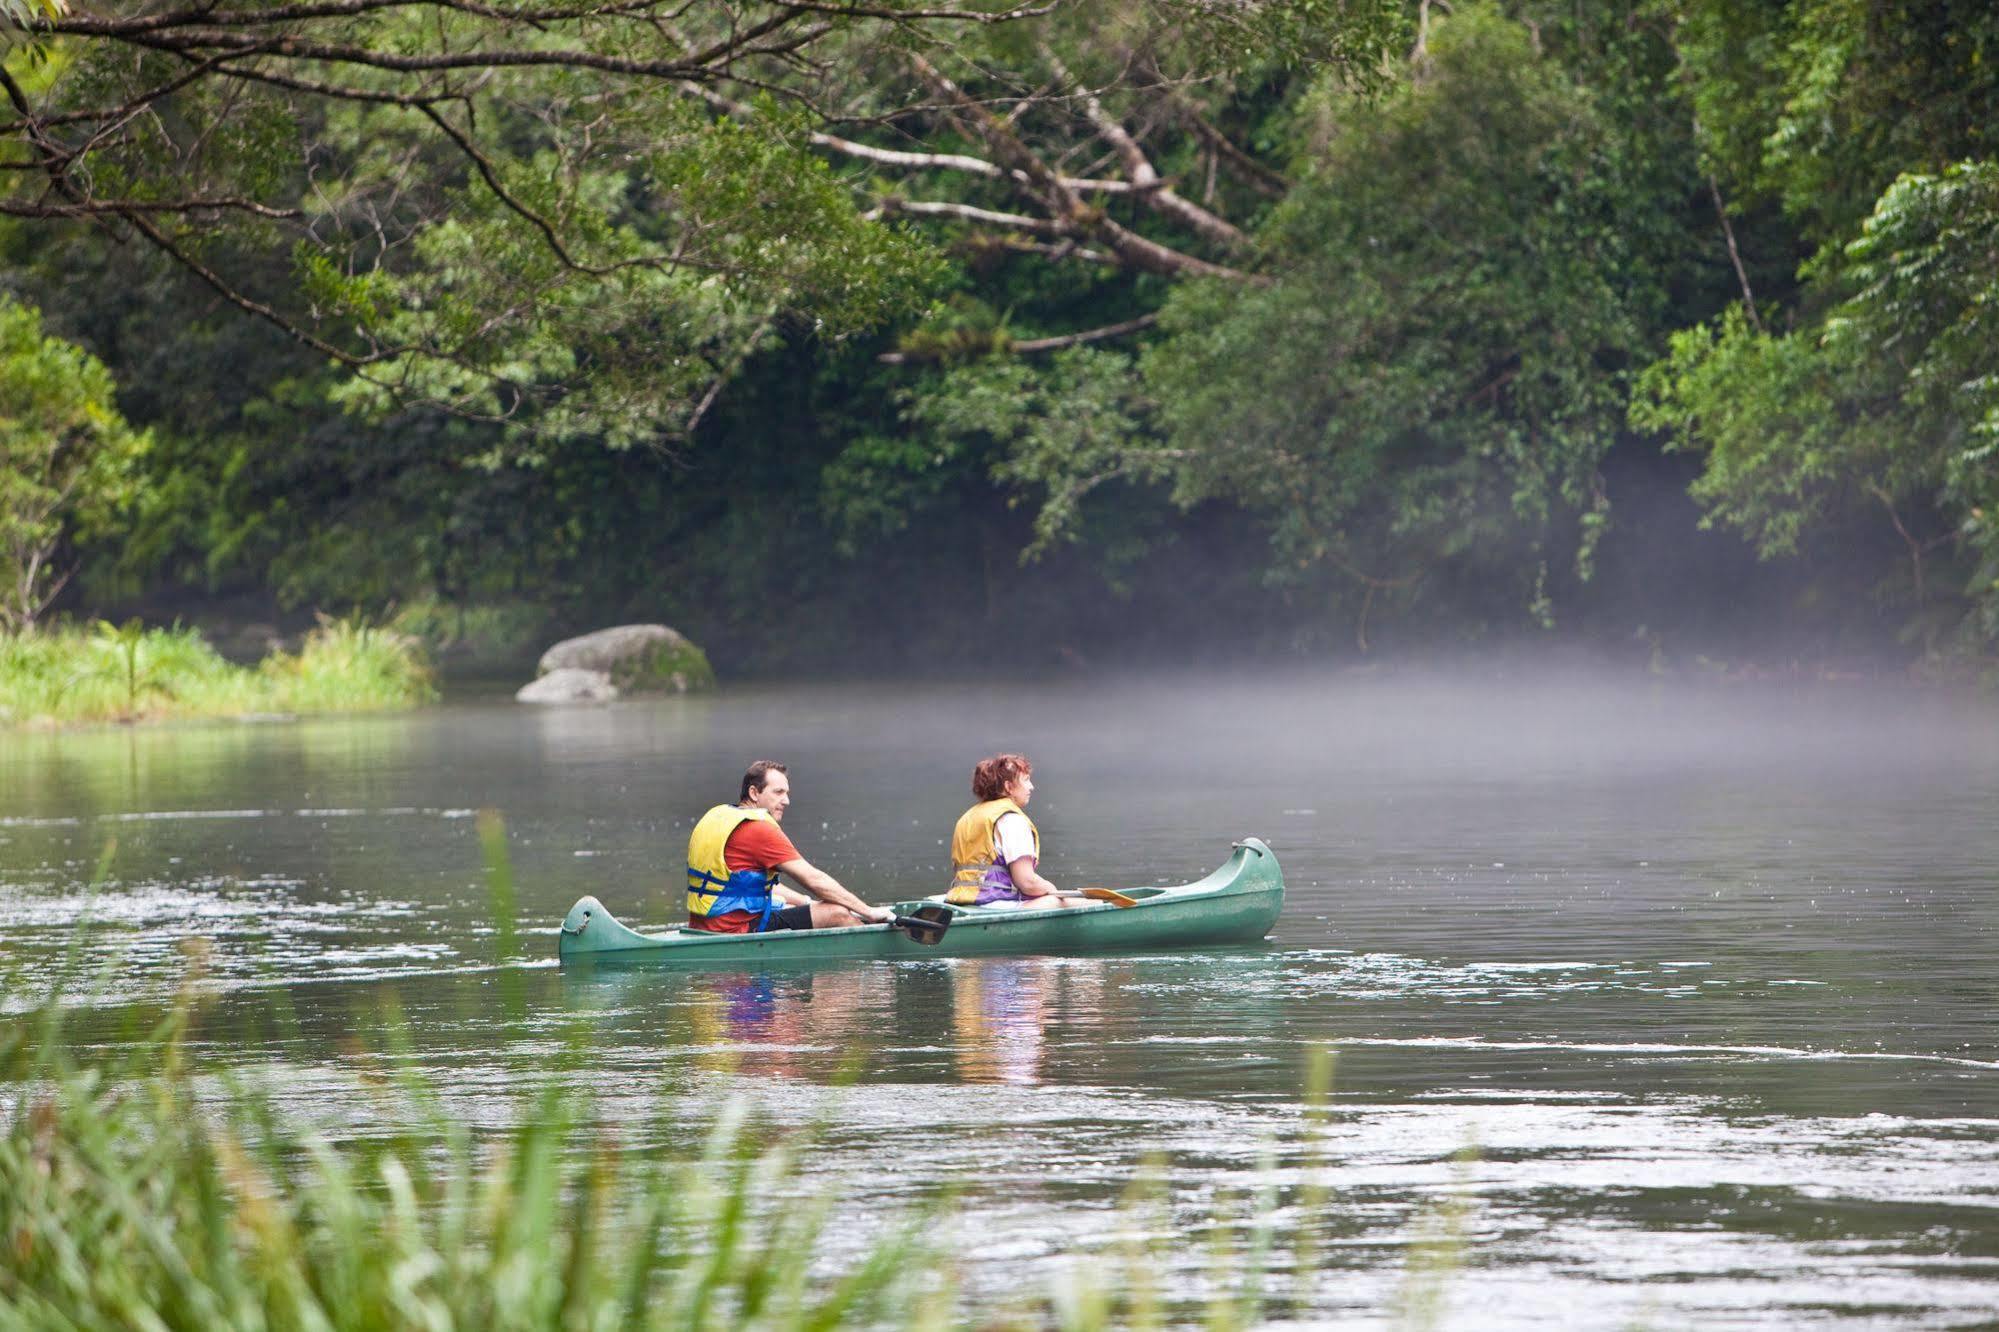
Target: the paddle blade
(927, 926)
(1110, 895)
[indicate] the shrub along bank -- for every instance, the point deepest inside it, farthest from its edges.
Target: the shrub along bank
(128, 673)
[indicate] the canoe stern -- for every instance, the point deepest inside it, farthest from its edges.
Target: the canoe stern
(589, 928)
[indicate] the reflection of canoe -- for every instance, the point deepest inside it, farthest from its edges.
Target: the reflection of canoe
(1238, 903)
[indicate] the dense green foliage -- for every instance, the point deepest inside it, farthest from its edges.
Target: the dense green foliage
(1872, 127)
(1437, 366)
(872, 339)
(128, 672)
(66, 455)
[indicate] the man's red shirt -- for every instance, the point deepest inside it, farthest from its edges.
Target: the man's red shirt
(756, 844)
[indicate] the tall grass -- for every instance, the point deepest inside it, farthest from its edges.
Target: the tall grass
(141, 1195)
(106, 672)
(347, 666)
(131, 1197)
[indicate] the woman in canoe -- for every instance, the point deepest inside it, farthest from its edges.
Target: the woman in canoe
(995, 849)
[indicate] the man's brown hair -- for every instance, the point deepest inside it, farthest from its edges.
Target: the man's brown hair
(993, 775)
(758, 777)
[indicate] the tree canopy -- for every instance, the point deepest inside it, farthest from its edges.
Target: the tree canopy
(1385, 319)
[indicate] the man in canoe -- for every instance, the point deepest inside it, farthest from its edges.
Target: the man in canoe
(996, 849)
(735, 855)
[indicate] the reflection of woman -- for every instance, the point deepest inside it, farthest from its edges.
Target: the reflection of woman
(995, 849)
(999, 1012)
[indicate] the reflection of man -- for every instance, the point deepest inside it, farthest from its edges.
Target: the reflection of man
(735, 855)
(803, 1024)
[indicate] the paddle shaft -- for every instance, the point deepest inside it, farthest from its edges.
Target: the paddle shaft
(921, 929)
(1102, 895)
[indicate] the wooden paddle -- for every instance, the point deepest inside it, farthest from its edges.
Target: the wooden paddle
(1110, 895)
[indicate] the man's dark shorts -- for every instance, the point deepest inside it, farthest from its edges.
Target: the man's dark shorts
(789, 918)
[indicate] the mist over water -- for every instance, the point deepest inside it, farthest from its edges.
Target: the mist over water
(1703, 978)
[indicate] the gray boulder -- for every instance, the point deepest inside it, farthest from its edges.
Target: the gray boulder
(569, 685)
(639, 658)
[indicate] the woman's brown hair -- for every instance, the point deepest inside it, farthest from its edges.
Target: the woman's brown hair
(993, 775)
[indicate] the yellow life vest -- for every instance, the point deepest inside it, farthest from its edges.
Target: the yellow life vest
(975, 851)
(712, 888)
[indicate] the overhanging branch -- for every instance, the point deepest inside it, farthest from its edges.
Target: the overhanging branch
(1064, 205)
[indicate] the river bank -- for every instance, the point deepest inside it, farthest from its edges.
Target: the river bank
(80, 675)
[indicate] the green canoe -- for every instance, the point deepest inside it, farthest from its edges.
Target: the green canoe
(1236, 904)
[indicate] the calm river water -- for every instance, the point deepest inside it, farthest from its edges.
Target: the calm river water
(1684, 1004)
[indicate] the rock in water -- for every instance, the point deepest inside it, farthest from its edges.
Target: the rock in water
(639, 658)
(569, 685)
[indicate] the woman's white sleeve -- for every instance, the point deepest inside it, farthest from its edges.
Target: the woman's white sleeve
(1015, 838)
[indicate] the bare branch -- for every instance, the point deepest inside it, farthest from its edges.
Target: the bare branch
(978, 166)
(484, 166)
(207, 16)
(128, 207)
(117, 115)
(1253, 173)
(1742, 276)
(1063, 202)
(892, 206)
(1154, 191)
(1001, 343)
(48, 154)
(1137, 325)
(1060, 250)
(922, 15)
(728, 372)
(336, 91)
(1373, 583)
(895, 157)
(704, 63)
(1917, 548)
(151, 232)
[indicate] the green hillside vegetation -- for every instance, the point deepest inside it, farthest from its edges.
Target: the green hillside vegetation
(1661, 327)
